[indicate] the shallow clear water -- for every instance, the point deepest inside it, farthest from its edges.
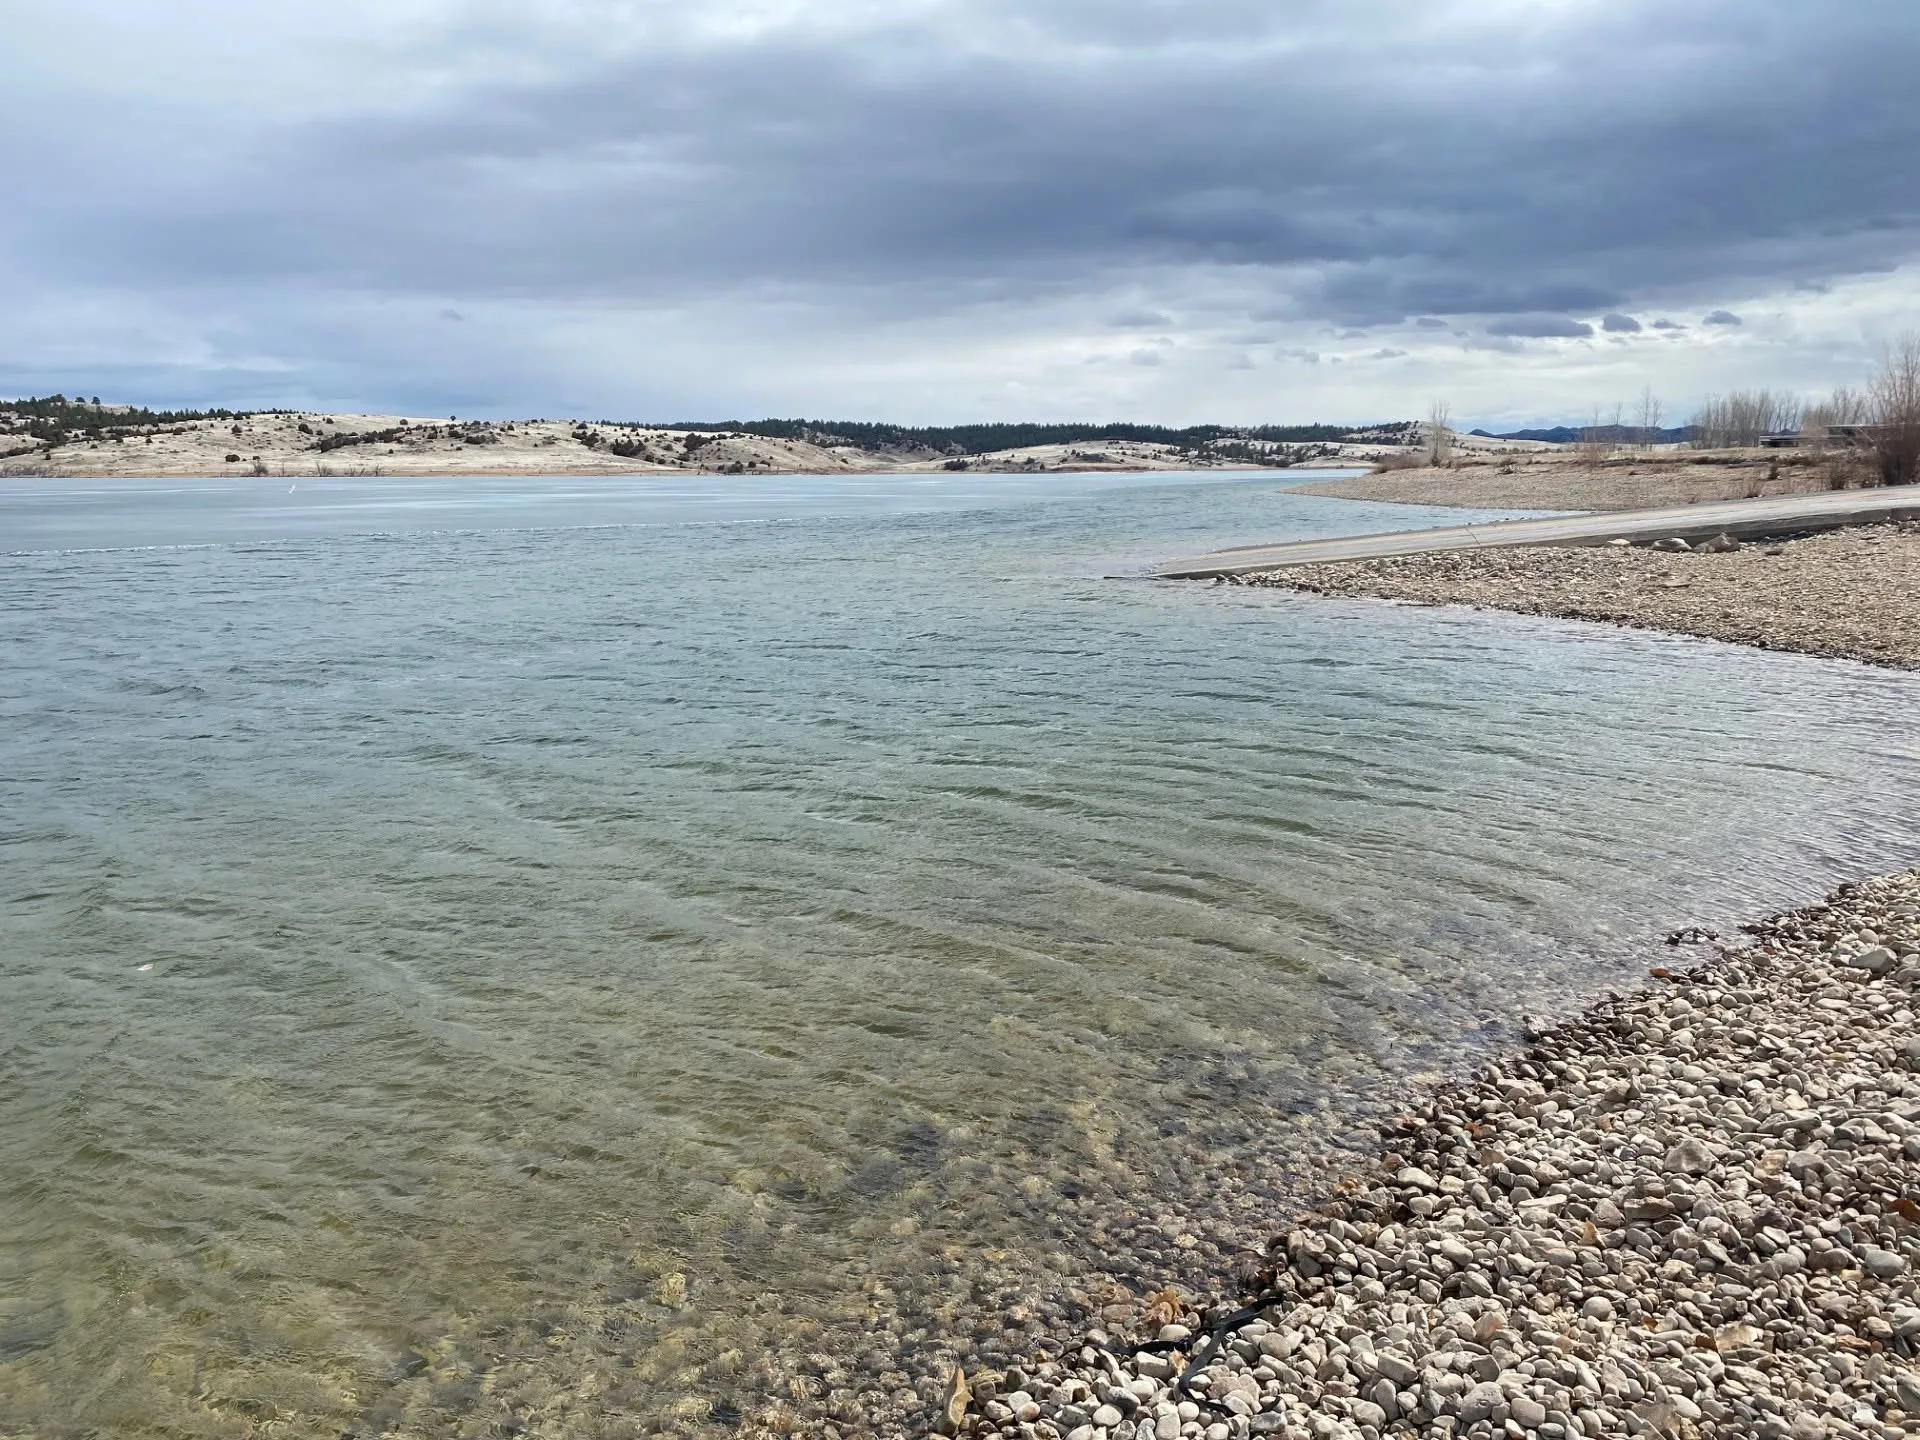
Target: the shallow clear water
(555, 957)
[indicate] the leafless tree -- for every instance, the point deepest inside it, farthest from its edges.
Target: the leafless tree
(1439, 433)
(1738, 420)
(1650, 412)
(1846, 406)
(1893, 399)
(1712, 424)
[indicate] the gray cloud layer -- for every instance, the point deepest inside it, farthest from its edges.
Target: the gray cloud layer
(1358, 164)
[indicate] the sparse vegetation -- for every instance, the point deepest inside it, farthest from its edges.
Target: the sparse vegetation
(342, 439)
(54, 420)
(472, 433)
(1268, 454)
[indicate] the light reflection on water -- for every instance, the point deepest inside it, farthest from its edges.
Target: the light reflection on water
(597, 966)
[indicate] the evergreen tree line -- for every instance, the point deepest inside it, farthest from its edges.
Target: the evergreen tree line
(55, 419)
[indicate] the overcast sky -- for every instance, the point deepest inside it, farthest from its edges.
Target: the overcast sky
(942, 210)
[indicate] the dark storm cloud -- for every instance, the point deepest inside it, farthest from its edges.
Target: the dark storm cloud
(1620, 325)
(1540, 327)
(1355, 164)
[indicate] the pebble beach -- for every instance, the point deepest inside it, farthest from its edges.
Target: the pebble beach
(1850, 594)
(1689, 1212)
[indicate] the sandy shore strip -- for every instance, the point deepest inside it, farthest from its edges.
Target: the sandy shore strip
(1852, 594)
(1690, 1212)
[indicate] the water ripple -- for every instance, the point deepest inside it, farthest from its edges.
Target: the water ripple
(457, 967)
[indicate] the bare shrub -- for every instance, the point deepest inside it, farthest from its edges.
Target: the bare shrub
(1399, 460)
(1597, 438)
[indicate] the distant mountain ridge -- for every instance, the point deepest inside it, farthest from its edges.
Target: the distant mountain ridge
(1610, 434)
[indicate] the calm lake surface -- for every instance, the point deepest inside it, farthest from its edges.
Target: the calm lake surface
(550, 957)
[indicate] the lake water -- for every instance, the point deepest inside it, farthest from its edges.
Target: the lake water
(582, 957)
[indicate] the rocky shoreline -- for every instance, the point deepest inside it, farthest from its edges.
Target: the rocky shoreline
(1849, 594)
(1690, 1212)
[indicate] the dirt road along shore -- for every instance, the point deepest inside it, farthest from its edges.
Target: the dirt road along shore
(1558, 481)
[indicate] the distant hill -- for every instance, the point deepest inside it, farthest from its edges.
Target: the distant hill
(57, 419)
(987, 439)
(1611, 434)
(57, 434)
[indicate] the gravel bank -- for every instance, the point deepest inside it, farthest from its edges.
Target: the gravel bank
(1688, 1213)
(1554, 482)
(1853, 594)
